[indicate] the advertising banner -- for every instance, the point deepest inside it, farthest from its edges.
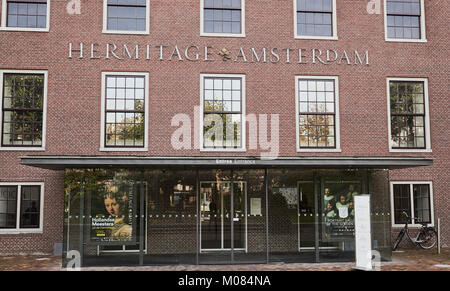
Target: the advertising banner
(112, 215)
(339, 210)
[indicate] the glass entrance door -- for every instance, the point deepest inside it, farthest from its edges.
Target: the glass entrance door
(217, 214)
(240, 216)
(306, 216)
(211, 217)
(326, 217)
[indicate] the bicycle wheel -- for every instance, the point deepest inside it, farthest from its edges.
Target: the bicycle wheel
(428, 239)
(398, 240)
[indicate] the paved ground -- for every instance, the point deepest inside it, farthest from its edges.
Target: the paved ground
(406, 260)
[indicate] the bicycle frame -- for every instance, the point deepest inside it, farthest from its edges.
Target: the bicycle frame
(416, 239)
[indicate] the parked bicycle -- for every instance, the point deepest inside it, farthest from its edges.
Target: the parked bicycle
(426, 237)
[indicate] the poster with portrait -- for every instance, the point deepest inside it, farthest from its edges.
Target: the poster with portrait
(338, 210)
(112, 215)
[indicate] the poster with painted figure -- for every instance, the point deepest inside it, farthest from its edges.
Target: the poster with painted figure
(112, 215)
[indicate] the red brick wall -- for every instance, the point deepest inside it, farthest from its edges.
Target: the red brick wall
(74, 88)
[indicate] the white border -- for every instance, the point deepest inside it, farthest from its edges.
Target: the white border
(30, 29)
(243, 147)
(44, 110)
(105, 21)
(19, 230)
(427, 116)
(423, 30)
(202, 33)
(334, 24)
(411, 183)
(103, 148)
(337, 121)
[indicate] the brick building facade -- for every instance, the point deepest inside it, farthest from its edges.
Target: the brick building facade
(75, 49)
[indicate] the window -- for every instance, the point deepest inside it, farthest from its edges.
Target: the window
(413, 198)
(126, 16)
(23, 110)
(408, 108)
(315, 19)
(124, 111)
(223, 112)
(222, 18)
(405, 20)
(21, 207)
(32, 15)
(317, 114)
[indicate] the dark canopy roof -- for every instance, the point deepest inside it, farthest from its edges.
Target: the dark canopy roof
(62, 162)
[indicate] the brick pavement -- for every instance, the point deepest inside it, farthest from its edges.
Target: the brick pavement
(405, 260)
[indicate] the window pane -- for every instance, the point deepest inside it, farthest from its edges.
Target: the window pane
(26, 14)
(23, 110)
(30, 207)
(316, 131)
(8, 206)
(222, 118)
(209, 14)
(127, 15)
(422, 207)
(236, 27)
(125, 106)
(314, 18)
(407, 105)
(403, 19)
(402, 203)
(316, 109)
(222, 16)
(209, 26)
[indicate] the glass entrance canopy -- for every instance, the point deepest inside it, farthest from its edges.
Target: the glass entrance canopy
(220, 216)
(157, 211)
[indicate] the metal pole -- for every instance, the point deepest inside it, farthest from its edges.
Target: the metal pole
(232, 216)
(197, 234)
(67, 240)
(267, 214)
(141, 222)
(83, 192)
(439, 235)
(316, 217)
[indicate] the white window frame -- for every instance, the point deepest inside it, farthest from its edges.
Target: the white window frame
(216, 34)
(44, 110)
(427, 116)
(31, 29)
(337, 121)
(243, 147)
(423, 30)
(411, 183)
(103, 148)
(19, 230)
(105, 22)
(334, 24)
